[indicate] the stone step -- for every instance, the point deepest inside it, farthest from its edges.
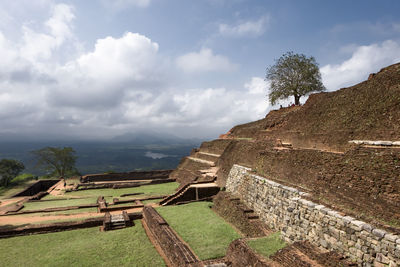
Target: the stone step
(252, 216)
(210, 163)
(117, 220)
(117, 223)
(209, 154)
(248, 210)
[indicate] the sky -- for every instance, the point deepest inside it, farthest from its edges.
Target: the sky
(94, 70)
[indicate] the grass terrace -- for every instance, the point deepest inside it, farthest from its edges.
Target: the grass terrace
(206, 233)
(85, 247)
(147, 190)
(58, 204)
(267, 246)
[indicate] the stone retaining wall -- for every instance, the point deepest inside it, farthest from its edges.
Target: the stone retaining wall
(58, 226)
(284, 208)
(240, 254)
(39, 186)
(135, 175)
(177, 253)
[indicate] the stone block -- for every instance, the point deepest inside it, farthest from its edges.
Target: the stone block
(391, 237)
(378, 264)
(367, 227)
(357, 225)
(333, 213)
(378, 233)
(348, 219)
(382, 258)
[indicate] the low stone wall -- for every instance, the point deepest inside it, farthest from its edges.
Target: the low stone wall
(284, 208)
(136, 175)
(39, 186)
(57, 227)
(239, 254)
(177, 253)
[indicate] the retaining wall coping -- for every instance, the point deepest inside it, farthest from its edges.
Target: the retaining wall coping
(324, 210)
(307, 203)
(333, 213)
(358, 223)
(391, 237)
(367, 227)
(304, 194)
(379, 233)
(348, 219)
(242, 167)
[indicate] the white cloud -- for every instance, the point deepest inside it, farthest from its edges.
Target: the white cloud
(120, 85)
(122, 4)
(204, 61)
(41, 45)
(245, 28)
(364, 60)
(59, 23)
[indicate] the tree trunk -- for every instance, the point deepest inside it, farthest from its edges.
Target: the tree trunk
(297, 100)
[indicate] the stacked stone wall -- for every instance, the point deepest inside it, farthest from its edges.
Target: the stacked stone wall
(285, 209)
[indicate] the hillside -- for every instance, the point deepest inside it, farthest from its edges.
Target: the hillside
(308, 147)
(368, 110)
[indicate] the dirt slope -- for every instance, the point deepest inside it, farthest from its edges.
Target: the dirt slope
(368, 110)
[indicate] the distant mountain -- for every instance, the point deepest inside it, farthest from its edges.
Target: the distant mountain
(149, 138)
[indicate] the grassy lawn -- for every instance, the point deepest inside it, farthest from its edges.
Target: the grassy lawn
(147, 190)
(267, 246)
(66, 212)
(206, 233)
(150, 201)
(85, 247)
(58, 203)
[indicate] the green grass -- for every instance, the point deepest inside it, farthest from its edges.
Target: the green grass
(85, 247)
(23, 177)
(207, 234)
(150, 201)
(66, 212)
(148, 190)
(58, 204)
(267, 246)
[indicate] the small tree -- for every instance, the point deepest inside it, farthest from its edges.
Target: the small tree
(57, 161)
(9, 169)
(293, 75)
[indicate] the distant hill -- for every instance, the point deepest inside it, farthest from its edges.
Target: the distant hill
(140, 151)
(150, 137)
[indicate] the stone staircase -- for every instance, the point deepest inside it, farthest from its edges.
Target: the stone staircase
(250, 214)
(116, 221)
(191, 192)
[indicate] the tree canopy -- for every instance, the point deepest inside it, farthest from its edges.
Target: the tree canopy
(9, 169)
(56, 161)
(293, 75)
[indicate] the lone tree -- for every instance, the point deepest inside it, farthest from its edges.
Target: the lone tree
(57, 161)
(293, 75)
(9, 169)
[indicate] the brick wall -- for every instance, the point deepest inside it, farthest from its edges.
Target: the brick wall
(284, 209)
